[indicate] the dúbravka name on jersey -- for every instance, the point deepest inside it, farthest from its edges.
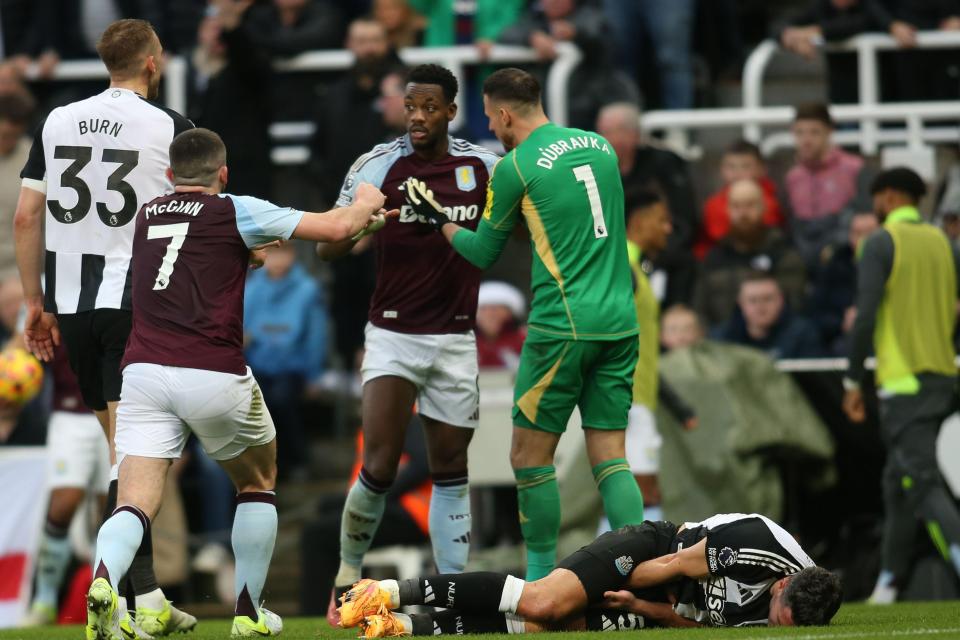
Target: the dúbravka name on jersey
(550, 153)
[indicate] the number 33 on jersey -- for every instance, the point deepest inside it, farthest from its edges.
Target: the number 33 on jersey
(566, 185)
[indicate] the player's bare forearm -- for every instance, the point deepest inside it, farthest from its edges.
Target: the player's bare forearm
(28, 241)
(329, 251)
(451, 229)
(690, 562)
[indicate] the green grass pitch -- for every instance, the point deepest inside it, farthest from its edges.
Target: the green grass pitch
(936, 621)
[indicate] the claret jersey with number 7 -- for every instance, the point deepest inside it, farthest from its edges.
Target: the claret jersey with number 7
(566, 185)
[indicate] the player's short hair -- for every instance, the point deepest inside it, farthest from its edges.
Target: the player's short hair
(435, 74)
(123, 45)
(515, 86)
(814, 111)
(814, 596)
(17, 108)
(743, 147)
(640, 199)
(757, 275)
(196, 156)
(900, 179)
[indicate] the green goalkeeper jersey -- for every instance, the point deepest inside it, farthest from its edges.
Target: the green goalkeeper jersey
(566, 185)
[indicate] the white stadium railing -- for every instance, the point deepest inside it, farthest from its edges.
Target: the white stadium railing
(454, 58)
(752, 116)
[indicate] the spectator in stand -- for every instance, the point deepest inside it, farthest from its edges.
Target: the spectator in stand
(285, 323)
(825, 185)
(950, 223)
(596, 80)
(23, 41)
(403, 25)
(669, 28)
(680, 327)
(501, 309)
(741, 160)
(392, 89)
(833, 306)
(285, 28)
(833, 20)
(230, 93)
(931, 74)
(349, 121)
(750, 246)
(645, 166)
(480, 23)
(15, 112)
(763, 320)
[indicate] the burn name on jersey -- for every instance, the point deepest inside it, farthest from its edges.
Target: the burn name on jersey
(173, 206)
(99, 125)
(550, 153)
(458, 213)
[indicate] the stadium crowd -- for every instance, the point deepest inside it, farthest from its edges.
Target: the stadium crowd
(761, 254)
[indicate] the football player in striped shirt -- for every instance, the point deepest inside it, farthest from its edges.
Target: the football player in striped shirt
(730, 570)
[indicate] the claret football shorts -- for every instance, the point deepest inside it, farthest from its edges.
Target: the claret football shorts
(442, 366)
(160, 406)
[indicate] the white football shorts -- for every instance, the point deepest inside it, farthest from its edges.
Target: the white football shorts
(160, 406)
(442, 366)
(643, 441)
(77, 452)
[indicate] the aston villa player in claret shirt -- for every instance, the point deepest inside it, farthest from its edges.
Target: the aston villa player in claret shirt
(420, 345)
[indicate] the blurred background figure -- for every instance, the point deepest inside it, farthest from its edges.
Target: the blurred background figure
(666, 30)
(231, 93)
(749, 246)
(393, 86)
(596, 78)
(764, 321)
(824, 186)
(402, 24)
(501, 309)
(741, 161)
(16, 111)
(286, 330)
(832, 305)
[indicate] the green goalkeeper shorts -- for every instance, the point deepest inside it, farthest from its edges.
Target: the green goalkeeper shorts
(557, 375)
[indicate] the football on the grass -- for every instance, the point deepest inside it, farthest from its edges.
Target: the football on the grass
(21, 376)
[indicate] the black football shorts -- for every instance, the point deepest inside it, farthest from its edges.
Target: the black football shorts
(95, 341)
(604, 564)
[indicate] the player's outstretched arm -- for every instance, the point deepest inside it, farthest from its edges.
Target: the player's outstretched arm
(690, 562)
(661, 612)
(343, 223)
(41, 332)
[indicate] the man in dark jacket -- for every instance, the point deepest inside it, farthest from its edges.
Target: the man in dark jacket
(750, 246)
(764, 321)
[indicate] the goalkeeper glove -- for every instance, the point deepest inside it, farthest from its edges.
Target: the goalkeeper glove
(375, 224)
(420, 197)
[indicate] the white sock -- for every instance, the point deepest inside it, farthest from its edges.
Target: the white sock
(153, 600)
(347, 575)
(52, 561)
(118, 541)
(393, 588)
(253, 537)
(450, 523)
(405, 621)
(510, 597)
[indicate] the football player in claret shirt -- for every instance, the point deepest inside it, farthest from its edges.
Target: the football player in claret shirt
(420, 346)
(730, 570)
(184, 370)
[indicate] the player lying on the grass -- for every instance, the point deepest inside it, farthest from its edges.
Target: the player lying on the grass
(184, 370)
(729, 570)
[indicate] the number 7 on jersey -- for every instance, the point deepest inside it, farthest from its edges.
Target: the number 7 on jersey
(177, 234)
(584, 174)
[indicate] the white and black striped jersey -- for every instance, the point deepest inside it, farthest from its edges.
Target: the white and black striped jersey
(98, 161)
(746, 555)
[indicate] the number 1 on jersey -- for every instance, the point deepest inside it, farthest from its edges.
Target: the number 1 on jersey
(177, 234)
(584, 174)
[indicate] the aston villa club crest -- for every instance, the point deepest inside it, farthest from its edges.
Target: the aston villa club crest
(466, 178)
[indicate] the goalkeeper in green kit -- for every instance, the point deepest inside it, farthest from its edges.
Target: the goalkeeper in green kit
(581, 349)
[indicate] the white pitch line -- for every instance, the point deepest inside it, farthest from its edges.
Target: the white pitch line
(867, 634)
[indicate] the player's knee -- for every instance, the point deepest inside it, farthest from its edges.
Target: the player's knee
(381, 461)
(546, 609)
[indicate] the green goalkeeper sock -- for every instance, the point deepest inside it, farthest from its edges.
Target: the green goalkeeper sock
(622, 500)
(539, 499)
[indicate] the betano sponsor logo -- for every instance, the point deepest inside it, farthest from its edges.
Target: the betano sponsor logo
(458, 213)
